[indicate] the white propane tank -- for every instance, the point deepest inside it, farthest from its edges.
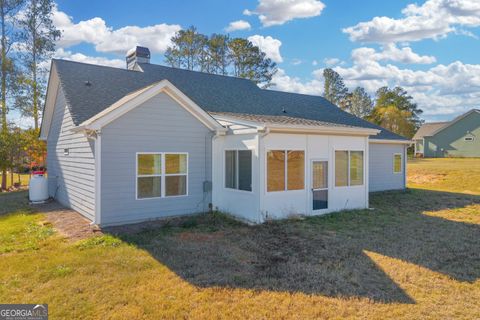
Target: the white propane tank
(38, 188)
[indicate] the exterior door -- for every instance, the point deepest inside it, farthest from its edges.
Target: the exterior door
(319, 185)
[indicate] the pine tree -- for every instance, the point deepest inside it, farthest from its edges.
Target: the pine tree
(187, 50)
(335, 90)
(360, 104)
(8, 77)
(38, 40)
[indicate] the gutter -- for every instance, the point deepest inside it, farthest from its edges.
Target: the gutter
(391, 141)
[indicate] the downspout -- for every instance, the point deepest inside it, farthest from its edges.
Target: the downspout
(214, 164)
(261, 133)
(366, 163)
(98, 177)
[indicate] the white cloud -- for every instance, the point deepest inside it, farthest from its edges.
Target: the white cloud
(391, 52)
(281, 81)
(331, 61)
(277, 12)
(238, 25)
(269, 45)
(106, 39)
(80, 57)
(442, 89)
(432, 20)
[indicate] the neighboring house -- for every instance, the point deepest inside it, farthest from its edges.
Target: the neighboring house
(457, 138)
(128, 145)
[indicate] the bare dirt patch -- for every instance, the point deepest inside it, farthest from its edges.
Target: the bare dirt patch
(426, 178)
(67, 222)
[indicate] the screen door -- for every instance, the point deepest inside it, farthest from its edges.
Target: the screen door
(319, 185)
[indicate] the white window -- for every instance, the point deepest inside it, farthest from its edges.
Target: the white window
(161, 175)
(397, 163)
(348, 168)
(238, 169)
(469, 138)
(285, 170)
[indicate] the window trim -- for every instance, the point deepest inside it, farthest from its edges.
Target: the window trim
(348, 168)
(285, 170)
(469, 139)
(237, 170)
(162, 175)
(401, 163)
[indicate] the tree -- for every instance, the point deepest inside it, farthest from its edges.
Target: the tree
(8, 11)
(335, 90)
(217, 47)
(251, 63)
(395, 110)
(359, 103)
(218, 54)
(394, 119)
(188, 49)
(399, 97)
(38, 44)
(17, 151)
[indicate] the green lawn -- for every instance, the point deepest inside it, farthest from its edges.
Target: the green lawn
(415, 256)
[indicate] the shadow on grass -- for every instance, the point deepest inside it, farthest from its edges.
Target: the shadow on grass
(319, 255)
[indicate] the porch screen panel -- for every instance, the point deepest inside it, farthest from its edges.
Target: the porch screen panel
(275, 170)
(341, 168)
(295, 170)
(356, 168)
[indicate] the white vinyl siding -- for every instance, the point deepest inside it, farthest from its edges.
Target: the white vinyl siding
(159, 125)
(70, 162)
(381, 173)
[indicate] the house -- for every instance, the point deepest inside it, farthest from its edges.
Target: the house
(457, 138)
(149, 141)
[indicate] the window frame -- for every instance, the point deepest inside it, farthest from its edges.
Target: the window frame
(348, 168)
(285, 151)
(237, 170)
(401, 163)
(162, 175)
(469, 139)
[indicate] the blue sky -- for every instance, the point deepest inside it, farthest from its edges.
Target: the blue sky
(429, 47)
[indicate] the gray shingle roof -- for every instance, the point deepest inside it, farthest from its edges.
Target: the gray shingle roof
(213, 93)
(428, 128)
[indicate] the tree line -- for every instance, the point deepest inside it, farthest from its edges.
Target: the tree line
(27, 40)
(392, 108)
(220, 54)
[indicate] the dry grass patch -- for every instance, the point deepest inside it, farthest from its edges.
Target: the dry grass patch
(414, 257)
(449, 174)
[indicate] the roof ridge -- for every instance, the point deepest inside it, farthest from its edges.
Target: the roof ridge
(436, 122)
(92, 64)
(196, 71)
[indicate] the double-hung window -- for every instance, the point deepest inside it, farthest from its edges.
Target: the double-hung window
(397, 163)
(238, 169)
(285, 170)
(161, 175)
(348, 168)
